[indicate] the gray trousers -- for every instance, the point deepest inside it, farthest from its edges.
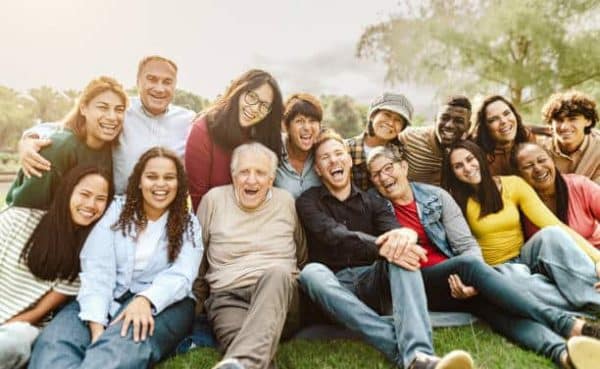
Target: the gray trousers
(248, 322)
(15, 344)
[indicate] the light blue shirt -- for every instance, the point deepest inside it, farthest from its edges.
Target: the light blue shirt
(288, 179)
(141, 131)
(107, 269)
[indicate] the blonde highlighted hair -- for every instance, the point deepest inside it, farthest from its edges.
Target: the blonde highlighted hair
(74, 120)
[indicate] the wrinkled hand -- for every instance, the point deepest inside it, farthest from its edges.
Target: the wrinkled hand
(31, 161)
(138, 314)
(458, 290)
(399, 247)
(96, 330)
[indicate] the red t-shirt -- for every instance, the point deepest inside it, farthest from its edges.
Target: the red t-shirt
(408, 216)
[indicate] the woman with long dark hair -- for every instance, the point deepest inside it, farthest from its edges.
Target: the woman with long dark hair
(39, 258)
(492, 206)
(137, 268)
(251, 109)
(89, 130)
(573, 198)
(499, 128)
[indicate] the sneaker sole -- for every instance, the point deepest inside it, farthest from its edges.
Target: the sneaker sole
(584, 352)
(457, 359)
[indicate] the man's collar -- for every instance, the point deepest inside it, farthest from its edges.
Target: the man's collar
(581, 148)
(150, 115)
(354, 191)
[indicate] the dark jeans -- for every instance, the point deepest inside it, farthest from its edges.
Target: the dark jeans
(507, 307)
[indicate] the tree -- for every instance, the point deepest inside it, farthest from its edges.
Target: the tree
(526, 49)
(343, 114)
(15, 116)
(50, 105)
(190, 100)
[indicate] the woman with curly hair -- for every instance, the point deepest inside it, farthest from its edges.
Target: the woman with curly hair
(39, 258)
(251, 109)
(574, 145)
(499, 129)
(86, 138)
(137, 268)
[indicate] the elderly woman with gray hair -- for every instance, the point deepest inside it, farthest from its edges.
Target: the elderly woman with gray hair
(255, 248)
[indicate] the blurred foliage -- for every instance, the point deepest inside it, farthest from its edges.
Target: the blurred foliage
(524, 49)
(344, 115)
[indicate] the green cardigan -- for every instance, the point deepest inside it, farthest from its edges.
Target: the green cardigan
(65, 152)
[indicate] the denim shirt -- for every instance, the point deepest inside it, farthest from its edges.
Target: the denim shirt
(443, 221)
(107, 269)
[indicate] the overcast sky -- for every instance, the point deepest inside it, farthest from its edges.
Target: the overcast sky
(308, 45)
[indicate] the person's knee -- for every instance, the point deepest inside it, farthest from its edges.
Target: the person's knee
(313, 274)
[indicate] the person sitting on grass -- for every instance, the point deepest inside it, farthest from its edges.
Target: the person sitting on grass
(39, 258)
(492, 206)
(91, 127)
(356, 271)
(389, 114)
(573, 198)
(255, 248)
(454, 274)
(137, 269)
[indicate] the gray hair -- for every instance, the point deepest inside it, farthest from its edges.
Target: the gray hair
(253, 148)
(392, 152)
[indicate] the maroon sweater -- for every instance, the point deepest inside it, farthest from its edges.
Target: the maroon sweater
(206, 163)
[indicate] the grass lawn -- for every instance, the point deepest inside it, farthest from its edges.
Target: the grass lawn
(489, 350)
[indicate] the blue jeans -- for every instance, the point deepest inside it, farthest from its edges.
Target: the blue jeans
(65, 342)
(505, 305)
(356, 298)
(553, 253)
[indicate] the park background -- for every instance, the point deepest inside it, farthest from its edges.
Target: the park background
(345, 52)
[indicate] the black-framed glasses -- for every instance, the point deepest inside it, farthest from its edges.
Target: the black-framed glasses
(251, 98)
(387, 169)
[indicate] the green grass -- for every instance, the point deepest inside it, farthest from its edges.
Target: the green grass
(489, 350)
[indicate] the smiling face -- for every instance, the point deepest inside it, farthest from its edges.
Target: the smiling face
(159, 186)
(103, 118)
(333, 164)
(452, 124)
(536, 167)
(156, 84)
(501, 123)
(389, 177)
(303, 131)
(252, 180)
(255, 105)
(88, 200)
(569, 130)
(387, 124)
(465, 166)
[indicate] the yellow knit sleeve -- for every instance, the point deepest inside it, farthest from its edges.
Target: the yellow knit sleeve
(539, 214)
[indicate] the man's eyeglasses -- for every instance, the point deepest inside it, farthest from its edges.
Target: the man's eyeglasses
(251, 98)
(387, 169)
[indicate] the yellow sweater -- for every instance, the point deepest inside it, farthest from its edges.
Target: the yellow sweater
(500, 235)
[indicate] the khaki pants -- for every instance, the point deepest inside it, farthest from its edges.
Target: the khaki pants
(248, 322)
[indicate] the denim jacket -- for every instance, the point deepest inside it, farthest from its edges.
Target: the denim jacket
(107, 269)
(443, 221)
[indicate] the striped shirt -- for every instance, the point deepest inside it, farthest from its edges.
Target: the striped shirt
(423, 153)
(19, 289)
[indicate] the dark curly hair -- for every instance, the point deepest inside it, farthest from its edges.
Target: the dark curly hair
(223, 116)
(483, 139)
(569, 104)
(133, 217)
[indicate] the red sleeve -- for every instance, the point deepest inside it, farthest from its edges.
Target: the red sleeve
(198, 160)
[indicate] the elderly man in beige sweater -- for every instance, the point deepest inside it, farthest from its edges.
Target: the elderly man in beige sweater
(255, 247)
